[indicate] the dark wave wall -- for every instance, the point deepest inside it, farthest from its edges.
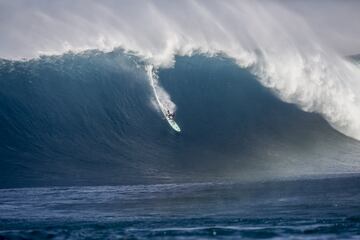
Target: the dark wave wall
(88, 119)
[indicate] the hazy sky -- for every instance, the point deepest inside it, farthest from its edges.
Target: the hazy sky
(30, 27)
(336, 21)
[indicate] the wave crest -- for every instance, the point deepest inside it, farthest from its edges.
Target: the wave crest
(294, 62)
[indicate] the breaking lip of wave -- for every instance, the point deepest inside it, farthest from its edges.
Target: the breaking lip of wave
(74, 112)
(260, 36)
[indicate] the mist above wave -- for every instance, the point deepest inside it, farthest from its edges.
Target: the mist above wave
(276, 43)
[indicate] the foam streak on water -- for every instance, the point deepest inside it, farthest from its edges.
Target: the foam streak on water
(162, 98)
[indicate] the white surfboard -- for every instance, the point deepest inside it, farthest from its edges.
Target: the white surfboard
(173, 124)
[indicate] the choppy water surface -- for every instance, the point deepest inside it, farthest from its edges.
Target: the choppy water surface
(320, 208)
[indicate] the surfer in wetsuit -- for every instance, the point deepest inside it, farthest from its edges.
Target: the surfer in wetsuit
(170, 115)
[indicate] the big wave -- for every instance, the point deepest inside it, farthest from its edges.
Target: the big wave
(277, 44)
(255, 96)
(90, 119)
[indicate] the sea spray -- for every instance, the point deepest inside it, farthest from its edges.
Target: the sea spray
(301, 65)
(161, 96)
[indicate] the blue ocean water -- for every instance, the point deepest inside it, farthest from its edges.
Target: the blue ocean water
(85, 154)
(89, 119)
(326, 208)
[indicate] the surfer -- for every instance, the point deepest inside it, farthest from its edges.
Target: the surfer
(170, 119)
(170, 115)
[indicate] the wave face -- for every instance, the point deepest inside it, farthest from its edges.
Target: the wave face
(90, 119)
(301, 64)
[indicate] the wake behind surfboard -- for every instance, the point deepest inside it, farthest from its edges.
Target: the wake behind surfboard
(163, 109)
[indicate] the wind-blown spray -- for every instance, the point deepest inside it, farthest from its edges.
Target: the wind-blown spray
(300, 66)
(161, 96)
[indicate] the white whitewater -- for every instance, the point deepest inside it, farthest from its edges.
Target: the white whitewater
(292, 54)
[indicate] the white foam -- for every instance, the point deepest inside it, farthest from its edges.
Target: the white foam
(278, 45)
(162, 98)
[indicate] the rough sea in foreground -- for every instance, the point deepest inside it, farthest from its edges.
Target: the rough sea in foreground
(321, 208)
